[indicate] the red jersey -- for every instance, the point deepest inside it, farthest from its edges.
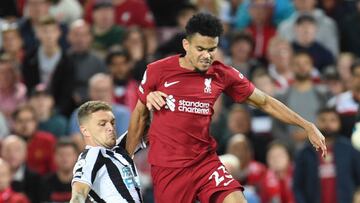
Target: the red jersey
(264, 181)
(40, 153)
(129, 13)
(179, 133)
(327, 174)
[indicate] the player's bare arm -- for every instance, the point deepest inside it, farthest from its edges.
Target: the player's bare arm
(137, 126)
(79, 192)
(278, 110)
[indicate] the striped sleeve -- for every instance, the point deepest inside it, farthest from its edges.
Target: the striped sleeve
(85, 166)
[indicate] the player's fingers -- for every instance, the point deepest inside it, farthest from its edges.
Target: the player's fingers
(163, 94)
(156, 105)
(149, 106)
(153, 99)
(159, 98)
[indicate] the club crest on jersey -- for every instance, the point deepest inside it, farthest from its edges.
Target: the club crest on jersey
(207, 83)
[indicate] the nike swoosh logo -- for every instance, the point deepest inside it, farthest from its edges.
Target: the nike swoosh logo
(170, 83)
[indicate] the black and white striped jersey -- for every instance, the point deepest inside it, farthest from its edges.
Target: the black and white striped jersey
(110, 173)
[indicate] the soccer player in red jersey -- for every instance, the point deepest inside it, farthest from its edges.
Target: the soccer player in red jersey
(183, 89)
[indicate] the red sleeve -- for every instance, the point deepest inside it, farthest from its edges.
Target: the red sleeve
(238, 87)
(148, 83)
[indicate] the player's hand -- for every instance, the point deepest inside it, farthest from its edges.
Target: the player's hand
(155, 100)
(316, 138)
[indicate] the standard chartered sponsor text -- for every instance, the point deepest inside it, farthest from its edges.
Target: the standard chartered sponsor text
(194, 107)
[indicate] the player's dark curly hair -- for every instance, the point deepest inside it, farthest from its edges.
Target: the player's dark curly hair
(204, 24)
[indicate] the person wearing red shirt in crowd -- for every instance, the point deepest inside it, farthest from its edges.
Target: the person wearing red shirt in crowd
(254, 173)
(279, 161)
(330, 179)
(182, 153)
(260, 28)
(7, 195)
(40, 144)
(129, 13)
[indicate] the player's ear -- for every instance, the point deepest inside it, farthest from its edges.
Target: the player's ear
(84, 131)
(186, 44)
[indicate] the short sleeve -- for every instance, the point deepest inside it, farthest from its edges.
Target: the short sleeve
(148, 83)
(85, 165)
(238, 87)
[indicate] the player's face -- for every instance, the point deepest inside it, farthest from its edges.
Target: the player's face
(101, 128)
(200, 51)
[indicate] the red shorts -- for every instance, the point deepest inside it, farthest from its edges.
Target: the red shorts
(202, 181)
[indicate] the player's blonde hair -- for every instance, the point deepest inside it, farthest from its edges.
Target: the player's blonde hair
(91, 107)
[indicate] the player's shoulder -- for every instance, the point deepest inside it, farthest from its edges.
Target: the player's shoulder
(90, 153)
(164, 62)
(225, 70)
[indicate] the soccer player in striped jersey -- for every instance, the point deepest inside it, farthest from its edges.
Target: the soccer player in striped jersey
(104, 170)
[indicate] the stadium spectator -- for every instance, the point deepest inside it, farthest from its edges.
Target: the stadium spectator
(280, 57)
(120, 68)
(105, 32)
(12, 91)
(279, 161)
(50, 66)
(333, 178)
(24, 180)
(253, 173)
(36, 10)
(347, 103)
(86, 63)
(135, 43)
(12, 42)
(101, 88)
(343, 67)
(303, 90)
(131, 13)
(305, 32)
(6, 193)
(327, 34)
(58, 185)
(48, 117)
(241, 51)
(40, 144)
(260, 27)
(218, 121)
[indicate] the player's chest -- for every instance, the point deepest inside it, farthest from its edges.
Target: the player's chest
(192, 85)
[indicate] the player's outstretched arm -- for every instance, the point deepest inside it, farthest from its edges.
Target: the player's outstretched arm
(278, 110)
(136, 127)
(79, 192)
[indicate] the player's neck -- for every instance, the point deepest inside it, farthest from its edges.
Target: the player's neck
(185, 63)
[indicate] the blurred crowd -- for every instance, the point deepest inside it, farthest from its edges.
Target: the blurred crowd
(57, 54)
